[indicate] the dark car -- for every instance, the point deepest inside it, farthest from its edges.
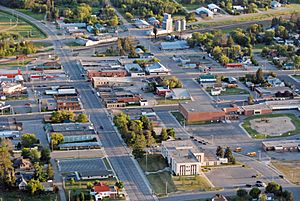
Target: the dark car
(281, 176)
(101, 127)
(248, 185)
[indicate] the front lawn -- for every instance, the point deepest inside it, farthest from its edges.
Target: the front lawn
(254, 134)
(234, 91)
(24, 196)
(158, 182)
(155, 162)
(189, 183)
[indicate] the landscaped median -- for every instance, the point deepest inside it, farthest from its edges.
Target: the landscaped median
(272, 125)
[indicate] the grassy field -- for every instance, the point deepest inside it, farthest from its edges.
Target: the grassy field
(191, 183)
(8, 23)
(37, 16)
(155, 162)
(22, 196)
(169, 101)
(247, 126)
(291, 169)
(15, 64)
(158, 182)
(234, 91)
(42, 44)
(248, 18)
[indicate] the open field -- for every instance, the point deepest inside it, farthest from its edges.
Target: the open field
(37, 16)
(249, 17)
(234, 91)
(12, 24)
(15, 64)
(22, 196)
(155, 162)
(42, 44)
(291, 169)
(260, 135)
(188, 183)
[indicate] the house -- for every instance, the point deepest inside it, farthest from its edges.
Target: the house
(179, 94)
(204, 12)
(101, 190)
(275, 82)
(48, 186)
(238, 8)
(207, 78)
(141, 24)
(213, 7)
(157, 69)
(275, 4)
(219, 197)
(21, 183)
(162, 91)
(22, 164)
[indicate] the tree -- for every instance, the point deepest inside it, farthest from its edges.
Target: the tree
(263, 197)
(296, 60)
(255, 192)
(220, 152)
(241, 193)
(72, 181)
(136, 126)
(121, 120)
(35, 186)
(288, 195)
(228, 154)
(45, 155)
(56, 139)
(250, 100)
(273, 187)
(119, 185)
(147, 124)
(38, 173)
(25, 153)
(83, 11)
(224, 59)
(171, 132)
(164, 134)
(128, 15)
(28, 140)
(149, 138)
(35, 155)
(7, 174)
(50, 172)
(114, 21)
(82, 118)
(89, 185)
(259, 76)
(230, 41)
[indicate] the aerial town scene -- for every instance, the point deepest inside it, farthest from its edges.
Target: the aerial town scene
(150, 100)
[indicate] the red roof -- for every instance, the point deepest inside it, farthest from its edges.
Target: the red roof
(101, 187)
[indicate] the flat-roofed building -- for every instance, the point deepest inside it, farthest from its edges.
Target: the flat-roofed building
(134, 70)
(106, 73)
(183, 156)
(111, 81)
(157, 69)
(281, 145)
(194, 111)
(256, 109)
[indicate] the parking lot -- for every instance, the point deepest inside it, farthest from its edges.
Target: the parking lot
(78, 165)
(229, 177)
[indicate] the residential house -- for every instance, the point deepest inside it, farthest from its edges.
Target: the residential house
(275, 82)
(101, 190)
(141, 24)
(207, 78)
(21, 183)
(48, 186)
(162, 91)
(213, 7)
(22, 164)
(219, 197)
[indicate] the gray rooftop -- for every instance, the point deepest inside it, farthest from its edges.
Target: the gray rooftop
(199, 106)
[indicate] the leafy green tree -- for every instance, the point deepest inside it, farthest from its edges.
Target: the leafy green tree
(114, 21)
(220, 152)
(273, 187)
(119, 186)
(25, 153)
(89, 185)
(136, 126)
(82, 118)
(35, 186)
(263, 197)
(288, 196)
(296, 60)
(45, 155)
(28, 140)
(259, 76)
(7, 174)
(147, 124)
(83, 11)
(224, 59)
(50, 172)
(38, 173)
(255, 192)
(121, 120)
(228, 154)
(72, 181)
(128, 15)
(149, 138)
(56, 139)
(164, 134)
(171, 132)
(35, 155)
(241, 193)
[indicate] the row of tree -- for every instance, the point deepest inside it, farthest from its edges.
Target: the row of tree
(227, 153)
(68, 116)
(139, 134)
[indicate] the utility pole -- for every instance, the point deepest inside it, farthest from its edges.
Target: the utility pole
(146, 161)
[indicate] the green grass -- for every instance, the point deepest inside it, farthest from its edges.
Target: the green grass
(24, 28)
(15, 64)
(72, 44)
(188, 183)
(234, 91)
(254, 134)
(23, 196)
(248, 18)
(179, 117)
(155, 162)
(42, 44)
(169, 101)
(37, 16)
(158, 182)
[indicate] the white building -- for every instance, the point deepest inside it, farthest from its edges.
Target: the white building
(176, 45)
(204, 12)
(275, 4)
(183, 157)
(141, 24)
(213, 7)
(134, 70)
(157, 69)
(180, 25)
(179, 94)
(167, 22)
(215, 91)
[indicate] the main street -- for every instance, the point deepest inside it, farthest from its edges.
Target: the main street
(127, 170)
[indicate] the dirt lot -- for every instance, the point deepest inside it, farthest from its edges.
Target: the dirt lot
(291, 169)
(272, 126)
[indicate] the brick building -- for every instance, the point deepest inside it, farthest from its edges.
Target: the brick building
(106, 73)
